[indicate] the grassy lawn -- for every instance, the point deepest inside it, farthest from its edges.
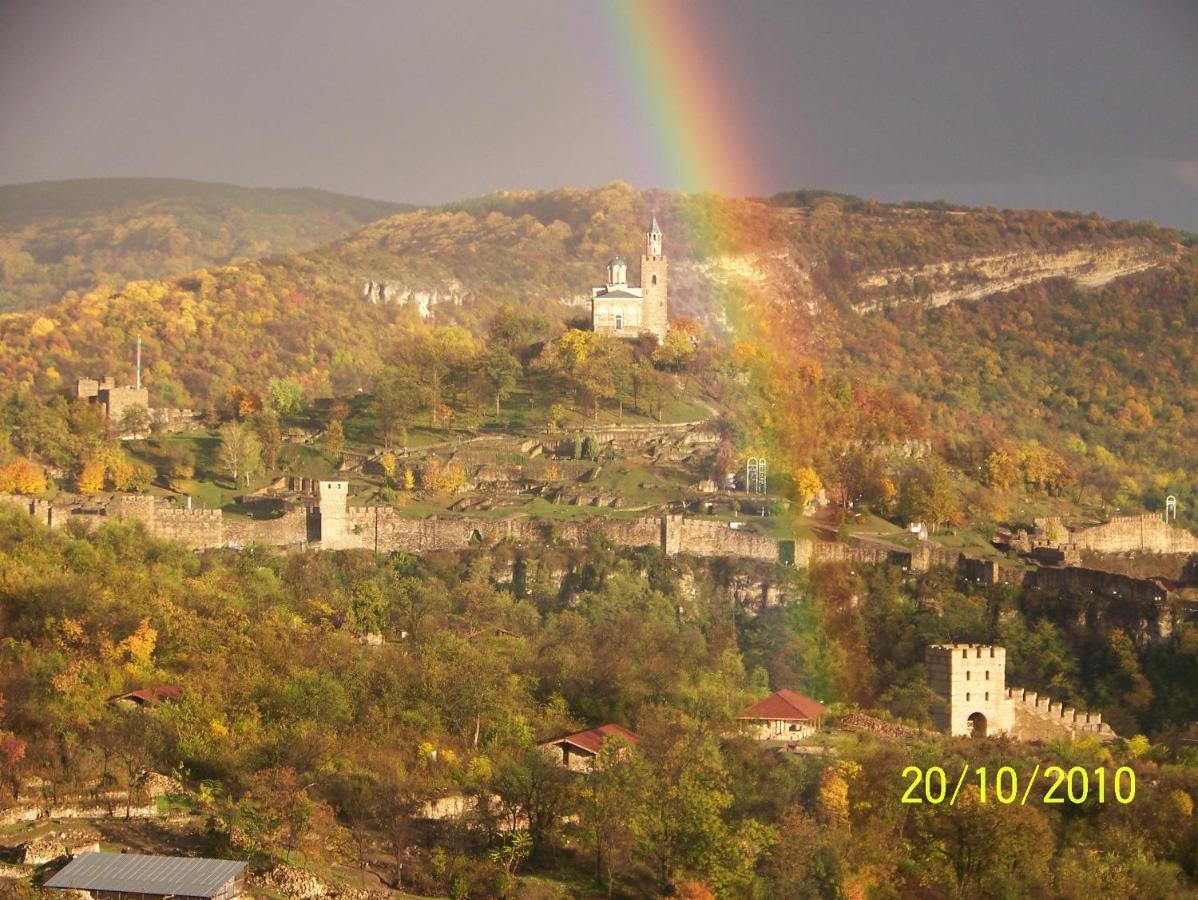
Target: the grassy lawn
(871, 524)
(642, 484)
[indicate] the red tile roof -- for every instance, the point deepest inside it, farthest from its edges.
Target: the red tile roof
(783, 704)
(153, 695)
(592, 740)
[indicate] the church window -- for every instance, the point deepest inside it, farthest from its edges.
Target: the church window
(619, 322)
(655, 279)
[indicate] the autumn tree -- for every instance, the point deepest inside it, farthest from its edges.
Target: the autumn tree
(241, 403)
(91, 477)
(134, 421)
(440, 357)
(682, 822)
(534, 787)
(21, 476)
(927, 493)
(807, 484)
(440, 477)
(399, 395)
(240, 453)
(388, 464)
(270, 435)
(334, 438)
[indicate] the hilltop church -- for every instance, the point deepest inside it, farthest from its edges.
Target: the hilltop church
(624, 311)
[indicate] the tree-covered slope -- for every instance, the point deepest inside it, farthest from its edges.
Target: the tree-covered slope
(869, 322)
(62, 236)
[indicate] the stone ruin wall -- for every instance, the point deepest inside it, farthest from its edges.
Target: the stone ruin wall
(704, 537)
(290, 530)
(385, 530)
(193, 528)
(1147, 533)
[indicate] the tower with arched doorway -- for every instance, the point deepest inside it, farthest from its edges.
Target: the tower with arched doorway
(972, 681)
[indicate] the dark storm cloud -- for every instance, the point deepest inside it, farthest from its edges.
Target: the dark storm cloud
(1080, 103)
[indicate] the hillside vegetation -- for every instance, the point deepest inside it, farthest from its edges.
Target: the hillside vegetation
(100, 233)
(798, 296)
(295, 739)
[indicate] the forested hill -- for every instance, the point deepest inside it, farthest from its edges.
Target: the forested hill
(60, 236)
(970, 317)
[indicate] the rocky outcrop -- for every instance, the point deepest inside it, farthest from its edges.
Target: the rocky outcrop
(299, 884)
(56, 845)
(424, 299)
(973, 278)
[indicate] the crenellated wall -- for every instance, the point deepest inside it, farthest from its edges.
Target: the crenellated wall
(1147, 533)
(971, 680)
(1039, 718)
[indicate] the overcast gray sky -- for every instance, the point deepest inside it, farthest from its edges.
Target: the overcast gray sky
(1086, 104)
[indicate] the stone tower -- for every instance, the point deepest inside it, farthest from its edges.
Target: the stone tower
(653, 283)
(972, 680)
(333, 499)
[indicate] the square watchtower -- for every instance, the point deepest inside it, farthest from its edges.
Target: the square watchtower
(972, 681)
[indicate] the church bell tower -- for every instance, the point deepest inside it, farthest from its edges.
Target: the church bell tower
(653, 283)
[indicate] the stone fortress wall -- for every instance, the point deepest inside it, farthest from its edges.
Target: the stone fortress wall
(320, 517)
(1147, 533)
(328, 522)
(971, 679)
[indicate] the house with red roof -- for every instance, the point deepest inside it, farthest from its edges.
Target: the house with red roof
(783, 716)
(577, 752)
(151, 696)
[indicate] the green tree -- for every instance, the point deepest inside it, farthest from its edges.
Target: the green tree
(501, 370)
(619, 782)
(532, 786)
(285, 396)
(927, 494)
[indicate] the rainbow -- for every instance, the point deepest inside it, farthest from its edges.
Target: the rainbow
(689, 113)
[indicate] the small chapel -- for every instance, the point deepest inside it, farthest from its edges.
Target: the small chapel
(624, 311)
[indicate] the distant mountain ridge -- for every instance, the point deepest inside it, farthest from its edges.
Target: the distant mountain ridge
(60, 236)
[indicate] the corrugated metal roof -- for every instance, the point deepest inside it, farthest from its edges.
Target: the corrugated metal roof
(139, 874)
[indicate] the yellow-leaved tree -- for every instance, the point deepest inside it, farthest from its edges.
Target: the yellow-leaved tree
(22, 476)
(387, 461)
(139, 647)
(807, 484)
(91, 478)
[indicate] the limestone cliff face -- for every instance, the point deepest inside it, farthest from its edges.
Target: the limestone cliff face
(973, 278)
(424, 299)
